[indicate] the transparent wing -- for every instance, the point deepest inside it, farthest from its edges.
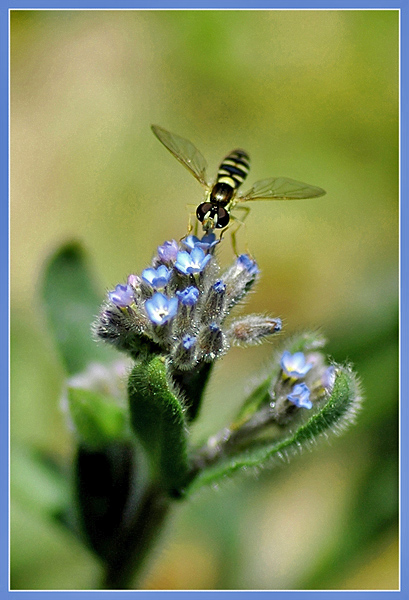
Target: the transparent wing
(280, 188)
(184, 151)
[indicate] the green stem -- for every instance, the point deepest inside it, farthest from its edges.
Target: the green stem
(135, 541)
(229, 439)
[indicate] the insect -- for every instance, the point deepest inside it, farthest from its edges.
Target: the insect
(223, 196)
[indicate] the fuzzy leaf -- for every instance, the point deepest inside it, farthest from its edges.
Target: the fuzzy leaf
(334, 414)
(98, 419)
(71, 305)
(157, 418)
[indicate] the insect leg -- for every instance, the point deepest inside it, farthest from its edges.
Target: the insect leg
(239, 223)
(192, 213)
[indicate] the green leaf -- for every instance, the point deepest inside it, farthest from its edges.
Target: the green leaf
(98, 419)
(37, 482)
(334, 414)
(71, 304)
(157, 418)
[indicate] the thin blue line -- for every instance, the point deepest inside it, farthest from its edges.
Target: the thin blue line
(404, 226)
(207, 4)
(268, 4)
(4, 305)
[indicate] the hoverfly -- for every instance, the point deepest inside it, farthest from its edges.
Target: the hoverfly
(222, 196)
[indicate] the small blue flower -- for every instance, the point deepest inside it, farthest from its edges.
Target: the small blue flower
(190, 241)
(157, 278)
(188, 296)
(300, 396)
(219, 287)
(122, 296)
(161, 309)
(295, 365)
(194, 262)
(248, 263)
(168, 251)
(188, 341)
(208, 241)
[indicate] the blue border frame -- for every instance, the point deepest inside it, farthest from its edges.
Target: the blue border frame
(4, 253)
(207, 4)
(403, 5)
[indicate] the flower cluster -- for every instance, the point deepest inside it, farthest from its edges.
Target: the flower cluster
(303, 380)
(179, 306)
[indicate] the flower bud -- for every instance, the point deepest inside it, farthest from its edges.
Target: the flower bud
(214, 303)
(185, 352)
(212, 342)
(252, 329)
(239, 279)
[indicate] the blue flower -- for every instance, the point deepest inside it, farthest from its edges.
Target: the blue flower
(208, 241)
(188, 341)
(295, 365)
(168, 251)
(161, 309)
(194, 262)
(219, 287)
(157, 278)
(300, 396)
(190, 241)
(188, 296)
(248, 263)
(122, 296)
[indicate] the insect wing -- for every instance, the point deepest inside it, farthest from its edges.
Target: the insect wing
(281, 188)
(184, 151)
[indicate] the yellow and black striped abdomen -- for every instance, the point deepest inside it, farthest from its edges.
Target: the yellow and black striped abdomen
(234, 168)
(214, 213)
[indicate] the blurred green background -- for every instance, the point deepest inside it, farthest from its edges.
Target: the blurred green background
(311, 95)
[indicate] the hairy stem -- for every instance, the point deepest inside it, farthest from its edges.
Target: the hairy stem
(228, 439)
